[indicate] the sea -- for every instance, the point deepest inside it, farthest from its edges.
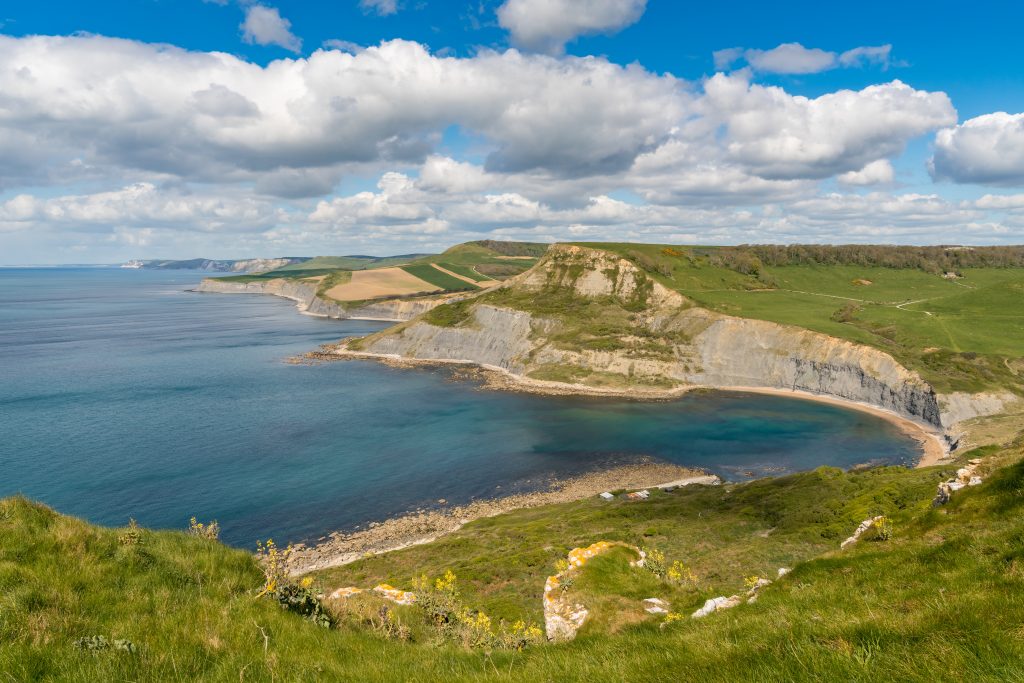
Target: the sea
(124, 395)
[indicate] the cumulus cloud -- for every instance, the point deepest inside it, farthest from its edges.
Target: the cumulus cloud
(780, 136)
(791, 58)
(547, 25)
(860, 56)
(380, 7)
(987, 149)
(265, 26)
(193, 143)
(876, 173)
(212, 116)
(139, 206)
(794, 58)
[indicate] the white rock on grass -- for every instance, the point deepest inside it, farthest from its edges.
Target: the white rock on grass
(655, 606)
(864, 526)
(716, 604)
(783, 571)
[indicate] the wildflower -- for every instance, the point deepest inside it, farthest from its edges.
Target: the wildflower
(306, 582)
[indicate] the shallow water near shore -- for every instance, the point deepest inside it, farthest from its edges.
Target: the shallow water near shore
(123, 395)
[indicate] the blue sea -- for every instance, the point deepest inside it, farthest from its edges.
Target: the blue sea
(123, 395)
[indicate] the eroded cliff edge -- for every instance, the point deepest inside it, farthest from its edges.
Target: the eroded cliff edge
(588, 318)
(305, 296)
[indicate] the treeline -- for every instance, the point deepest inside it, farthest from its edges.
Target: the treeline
(748, 258)
(514, 248)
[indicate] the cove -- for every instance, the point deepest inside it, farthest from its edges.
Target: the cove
(124, 395)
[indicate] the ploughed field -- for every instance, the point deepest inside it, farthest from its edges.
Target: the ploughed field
(469, 267)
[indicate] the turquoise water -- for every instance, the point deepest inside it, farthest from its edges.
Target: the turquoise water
(123, 395)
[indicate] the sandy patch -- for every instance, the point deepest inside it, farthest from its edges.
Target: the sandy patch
(382, 282)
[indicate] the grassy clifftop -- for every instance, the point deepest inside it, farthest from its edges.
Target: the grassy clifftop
(954, 315)
(940, 599)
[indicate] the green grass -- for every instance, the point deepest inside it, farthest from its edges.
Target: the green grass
(465, 271)
(353, 262)
(294, 274)
(444, 281)
(943, 599)
(960, 334)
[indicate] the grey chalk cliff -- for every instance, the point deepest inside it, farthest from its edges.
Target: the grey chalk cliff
(705, 348)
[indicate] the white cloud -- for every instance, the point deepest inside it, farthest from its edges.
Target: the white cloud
(380, 7)
(861, 56)
(213, 117)
(1000, 202)
(139, 206)
(987, 149)
(875, 173)
(192, 148)
(790, 58)
(794, 58)
(547, 25)
(780, 136)
(265, 26)
(724, 59)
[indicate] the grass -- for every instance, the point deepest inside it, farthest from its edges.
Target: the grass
(353, 262)
(959, 334)
(943, 599)
(432, 275)
(465, 271)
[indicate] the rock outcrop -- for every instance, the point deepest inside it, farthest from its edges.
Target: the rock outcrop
(563, 616)
(669, 342)
(304, 294)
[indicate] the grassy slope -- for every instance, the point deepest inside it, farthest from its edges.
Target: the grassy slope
(960, 335)
(942, 600)
(433, 276)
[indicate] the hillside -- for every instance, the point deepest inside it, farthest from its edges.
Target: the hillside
(649, 319)
(934, 595)
(388, 288)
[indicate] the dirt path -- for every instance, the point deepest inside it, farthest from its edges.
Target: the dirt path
(483, 284)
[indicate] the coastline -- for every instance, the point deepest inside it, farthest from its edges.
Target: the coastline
(423, 526)
(933, 444)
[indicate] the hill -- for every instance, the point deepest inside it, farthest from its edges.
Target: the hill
(654, 320)
(931, 594)
(390, 288)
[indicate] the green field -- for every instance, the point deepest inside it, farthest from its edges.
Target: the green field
(965, 333)
(941, 599)
(352, 262)
(499, 260)
(444, 281)
(465, 271)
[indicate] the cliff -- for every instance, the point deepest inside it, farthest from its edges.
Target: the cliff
(305, 296)
(587, 317)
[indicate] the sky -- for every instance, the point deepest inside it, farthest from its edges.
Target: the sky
(237, 129)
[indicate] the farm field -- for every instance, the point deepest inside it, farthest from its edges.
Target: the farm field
(379, 283)
(967, 330)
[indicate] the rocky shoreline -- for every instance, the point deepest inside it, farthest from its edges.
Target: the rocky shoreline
(424, 526)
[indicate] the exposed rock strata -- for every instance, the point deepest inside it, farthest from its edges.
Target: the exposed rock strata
(705, 348)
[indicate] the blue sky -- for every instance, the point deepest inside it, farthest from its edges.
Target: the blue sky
(395, 126)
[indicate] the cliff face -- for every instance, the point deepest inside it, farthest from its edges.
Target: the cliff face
(304, 294)
(664, 341)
